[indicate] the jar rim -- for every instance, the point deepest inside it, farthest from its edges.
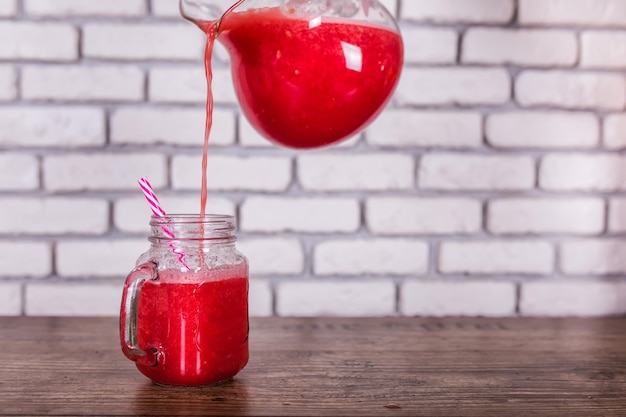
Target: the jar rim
(191, 227)
(182, 218)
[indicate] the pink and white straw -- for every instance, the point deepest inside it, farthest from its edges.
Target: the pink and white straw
(158, 211)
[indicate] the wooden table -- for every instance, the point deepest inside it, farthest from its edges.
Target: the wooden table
(360, 367)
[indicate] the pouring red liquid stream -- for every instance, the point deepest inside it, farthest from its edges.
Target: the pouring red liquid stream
(211, 31)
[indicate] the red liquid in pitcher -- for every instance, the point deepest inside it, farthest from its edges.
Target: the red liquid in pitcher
(307, 84)
(199, 325)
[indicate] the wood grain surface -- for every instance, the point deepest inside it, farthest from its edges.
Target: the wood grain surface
(332, 367)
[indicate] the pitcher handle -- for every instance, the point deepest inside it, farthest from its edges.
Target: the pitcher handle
(129, 315)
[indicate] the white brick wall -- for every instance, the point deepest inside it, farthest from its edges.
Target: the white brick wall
(18, 172)
(165, 8)
(409, 215)
(72, 299)
(464, 298)
(496, 257)
(8, 8)
(530, 47)
(328, 298)
(61, 41)
(617, 215)
(53, 215)
(61, 8)
(452, 11)
(188, 85)
(142, 41)
(232, 173)
(336, 172)
(585, 172)
(10, 299)
(309, 215)
(571, 90)
(8, 83)
(603, 49)
(260, 298)
(430, 46)
(98, 258)
(572, 298)
(593, 257)
(573, 12)
(448, 86)
(175, 126)
(363, 257)
(476, 172)
(51, 126)
(273, 256)
(406, 128)
(542, 215)
(76, 83)
(77, 172)
(33, 259)
(133, 214)
(615, 131)
(533, 129)
(491, 184)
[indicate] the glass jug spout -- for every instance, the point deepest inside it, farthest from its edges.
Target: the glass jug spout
(198, 11)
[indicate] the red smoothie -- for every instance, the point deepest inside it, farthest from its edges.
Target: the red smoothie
(198, 324)
(306, 84)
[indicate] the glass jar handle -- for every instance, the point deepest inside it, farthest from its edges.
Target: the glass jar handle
(129, 315)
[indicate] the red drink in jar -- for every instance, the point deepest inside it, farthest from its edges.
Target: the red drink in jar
(199, 323)
(185, 323)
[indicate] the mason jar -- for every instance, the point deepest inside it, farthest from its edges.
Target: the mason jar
(184, 311)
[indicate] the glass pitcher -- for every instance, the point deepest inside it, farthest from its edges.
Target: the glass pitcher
(184, 311)
(307, 73)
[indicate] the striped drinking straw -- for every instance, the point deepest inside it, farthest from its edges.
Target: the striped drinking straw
(158, 211)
